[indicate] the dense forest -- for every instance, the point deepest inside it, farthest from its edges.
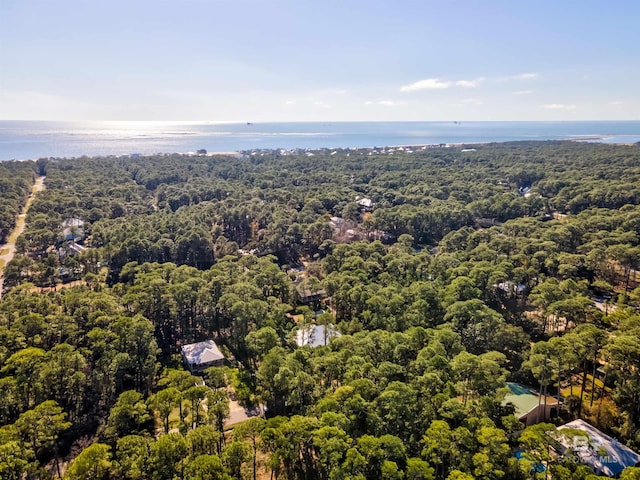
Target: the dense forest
(16, 179)
(444, 273)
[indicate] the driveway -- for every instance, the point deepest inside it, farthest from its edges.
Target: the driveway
(238, 413)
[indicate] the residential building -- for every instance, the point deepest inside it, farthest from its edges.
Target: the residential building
(588, 445)
(530, 406)
(202, 355)
(72, 229)
(316, 335)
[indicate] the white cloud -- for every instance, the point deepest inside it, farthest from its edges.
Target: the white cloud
(385, 103)
(470, 83)
(618, 102)
(527, 76)
(321, 104)
(558, 106)
(290, 102)
(436, 84)
(426, 84)
(520, 76)
(522, 92)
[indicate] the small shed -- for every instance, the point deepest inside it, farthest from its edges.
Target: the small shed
(202, 355)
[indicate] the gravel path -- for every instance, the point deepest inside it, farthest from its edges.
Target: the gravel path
(9, 249)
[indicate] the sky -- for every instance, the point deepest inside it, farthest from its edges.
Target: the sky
(323, 60)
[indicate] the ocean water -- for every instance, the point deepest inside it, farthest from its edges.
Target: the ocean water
(22, 140)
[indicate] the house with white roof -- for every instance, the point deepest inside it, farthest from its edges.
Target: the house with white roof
(366, 204)
(316, 335)
(72, 229)
(588, 445)
(202, 355)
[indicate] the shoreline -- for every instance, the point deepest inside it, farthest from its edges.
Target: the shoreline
(603, 139)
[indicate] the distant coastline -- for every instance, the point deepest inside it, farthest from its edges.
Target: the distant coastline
(21, 140)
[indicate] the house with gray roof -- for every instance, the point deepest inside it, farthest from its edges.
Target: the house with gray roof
(202, 355)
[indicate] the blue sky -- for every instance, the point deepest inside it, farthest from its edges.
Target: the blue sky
(285, 60)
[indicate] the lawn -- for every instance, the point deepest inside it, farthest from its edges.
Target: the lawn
(577, 382)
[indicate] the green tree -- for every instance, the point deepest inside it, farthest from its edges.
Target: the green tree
(331, 444)
(218, 408)
(418, 469)
(217, 377)
(132, 454)
(390, 471)
(41, 427)
(250, 430)
(261, 341)
(458, 475)
(537, 441)
(13, 460)
(204, 440)
(439, 447)
(206, 467)
(540, 364)
(164, 402)
(24, 366)
(630, 473)
(196, 395)
(93, 462)
(167, 456)
(234, 456)
(491, 459)
(130, 415)
(591, 340)
(622, 355)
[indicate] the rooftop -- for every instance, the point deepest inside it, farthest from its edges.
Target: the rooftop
(597, 449)
(201, 353)
(72, 222)
(365, 202)
(525, 399)
(316, 335)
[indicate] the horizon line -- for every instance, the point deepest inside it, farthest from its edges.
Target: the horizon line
(249, 122)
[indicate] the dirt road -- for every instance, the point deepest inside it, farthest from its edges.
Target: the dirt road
(8, 250)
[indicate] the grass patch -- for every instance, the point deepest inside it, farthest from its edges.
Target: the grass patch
(588, 393)
(174, 421)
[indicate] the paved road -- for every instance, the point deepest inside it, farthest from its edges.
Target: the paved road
(10, 246)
